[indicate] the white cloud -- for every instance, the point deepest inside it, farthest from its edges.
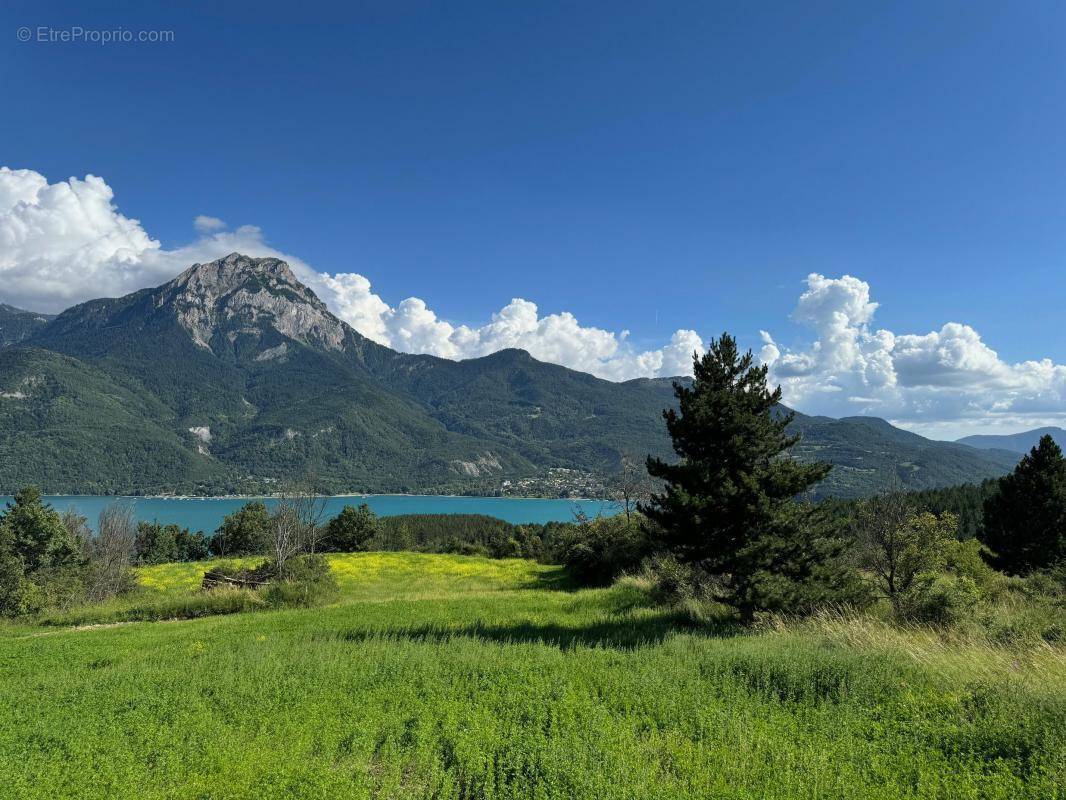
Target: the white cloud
(943, 383)
(412, 327)
(66, 242)
(206, 224)
(58, 240)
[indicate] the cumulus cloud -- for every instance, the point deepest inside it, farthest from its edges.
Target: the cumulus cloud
(944, 382)
(413, 327)
(57, 240)
(66, 242)
(206, 224)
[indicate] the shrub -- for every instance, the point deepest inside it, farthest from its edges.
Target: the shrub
(308, 581)
(600, 550)
(459, 548)
(19, 596)
(1020, 624)
(453, 533)
(673, 582)
(968, 559)
(940, 598)
(1046, 584)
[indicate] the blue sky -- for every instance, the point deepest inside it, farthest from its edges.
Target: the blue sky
(647, 167)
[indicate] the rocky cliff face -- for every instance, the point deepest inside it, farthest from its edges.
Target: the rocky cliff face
(238, 295)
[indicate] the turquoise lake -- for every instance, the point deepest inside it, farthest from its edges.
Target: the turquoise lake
(206, 513)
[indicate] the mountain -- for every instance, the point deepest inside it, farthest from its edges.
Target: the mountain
(871, 455)
(1015, 442)
(235, 377)
(67, 426)
(17, 325)
(252, 371)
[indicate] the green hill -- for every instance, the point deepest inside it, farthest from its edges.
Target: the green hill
(234, 377)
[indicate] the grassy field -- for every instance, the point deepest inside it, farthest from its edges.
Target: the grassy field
(452, 677)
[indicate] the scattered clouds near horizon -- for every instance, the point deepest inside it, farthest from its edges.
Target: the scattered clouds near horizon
(65, 242)
(944, 383)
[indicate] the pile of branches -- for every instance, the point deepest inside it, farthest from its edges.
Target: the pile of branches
(234, 576)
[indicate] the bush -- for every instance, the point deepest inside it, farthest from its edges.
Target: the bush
(1023, 624)
(968, 559)
(1044, 585)
(673, 582)
(473, 534)
(308, 581)
(940, 598)
(600, 550)
(19, 596)
(458, 548)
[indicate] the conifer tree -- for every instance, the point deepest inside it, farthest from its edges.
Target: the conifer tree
(1025, 521)
(37, 532)
(730, 504)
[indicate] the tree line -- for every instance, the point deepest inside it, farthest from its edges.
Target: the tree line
(728, 520)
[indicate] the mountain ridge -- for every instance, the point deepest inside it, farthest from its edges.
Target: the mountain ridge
(17, 324)
(247, 380)
(1021, 442)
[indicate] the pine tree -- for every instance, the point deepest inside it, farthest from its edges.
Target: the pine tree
(38, 534)
(1025, 521)
(730, 503)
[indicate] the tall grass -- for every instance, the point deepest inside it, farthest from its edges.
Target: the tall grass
(446, 677)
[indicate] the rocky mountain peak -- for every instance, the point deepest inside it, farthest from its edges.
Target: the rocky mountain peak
(243, 296)
(235, 271)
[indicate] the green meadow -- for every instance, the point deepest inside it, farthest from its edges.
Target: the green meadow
(438, 676)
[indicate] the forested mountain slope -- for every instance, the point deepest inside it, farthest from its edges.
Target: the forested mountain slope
(234, 377)
(17, 325)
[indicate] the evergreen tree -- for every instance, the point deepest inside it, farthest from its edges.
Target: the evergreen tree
(351, 530)
(1025, 521)
(192, 546)
(39, 556)
(37, 533)
(244, 532)
(730, 503)
(13, 584)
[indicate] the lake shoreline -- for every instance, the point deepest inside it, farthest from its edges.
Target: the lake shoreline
(207, 513)
(327, 496)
